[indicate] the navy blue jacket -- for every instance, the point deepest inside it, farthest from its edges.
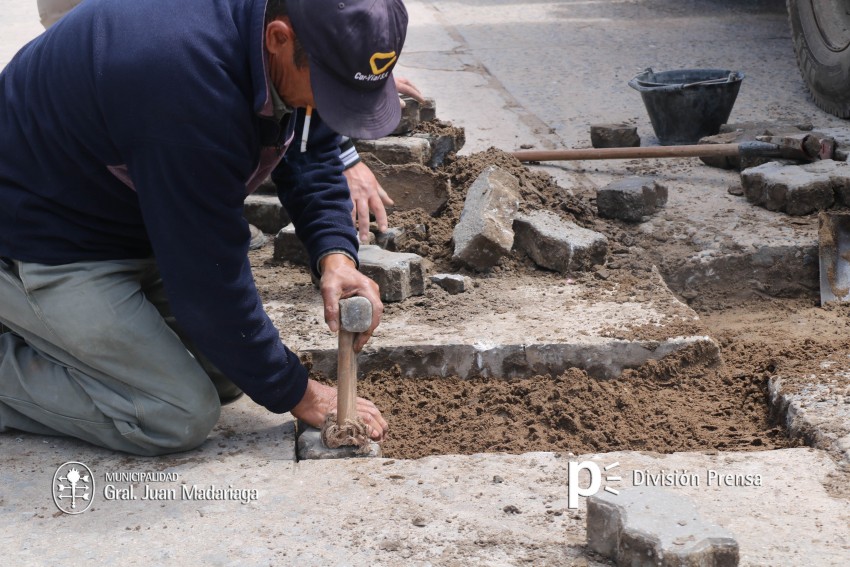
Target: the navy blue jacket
(136, 128)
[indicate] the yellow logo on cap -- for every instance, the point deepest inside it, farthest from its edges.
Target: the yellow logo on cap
(373, 62)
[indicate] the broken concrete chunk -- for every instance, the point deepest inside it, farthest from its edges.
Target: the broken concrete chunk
(614, 136)
(289, 248)
(398, 276)
(265, 212)
(484, 232)
(655, 527)
(452, 283)
(556, 244)
(797, 189)
(630, 199)
(397, 150)
(411, 186)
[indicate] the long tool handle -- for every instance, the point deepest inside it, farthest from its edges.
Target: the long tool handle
(346, 400)
(698, 150)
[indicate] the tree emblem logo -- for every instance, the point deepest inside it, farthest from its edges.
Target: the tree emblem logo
(73, 488)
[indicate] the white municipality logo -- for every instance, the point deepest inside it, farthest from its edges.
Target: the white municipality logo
(574, 489)
(73, 488)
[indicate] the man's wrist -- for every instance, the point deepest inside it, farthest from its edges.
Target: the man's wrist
(348, 154)
(334, 258)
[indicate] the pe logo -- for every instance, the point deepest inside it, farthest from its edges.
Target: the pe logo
(575, 487)
(73, 488)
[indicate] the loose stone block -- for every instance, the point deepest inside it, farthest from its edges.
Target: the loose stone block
(397, 150)
(309, 446)
(443, 141)
(653, 527)
(267, 187)
(728, 162)
(765, 128)
(428, 110)
(797, 189)
(484, 232)
(398, 275)
(265, 212)
(409, 116)
(614, 136)
(557, 244)
(747, 132)
(370, 238)
(630, 199)
(452, 283)
(393, 239)
(258, 239)
(411, 186)
(288, 247)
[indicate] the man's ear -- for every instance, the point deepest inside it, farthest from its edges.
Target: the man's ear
(279, 34)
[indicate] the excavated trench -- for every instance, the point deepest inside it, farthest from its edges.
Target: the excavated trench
(665, 407)
(686, 401)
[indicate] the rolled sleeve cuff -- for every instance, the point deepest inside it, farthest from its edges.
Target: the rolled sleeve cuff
(349, 157)
(334, 251)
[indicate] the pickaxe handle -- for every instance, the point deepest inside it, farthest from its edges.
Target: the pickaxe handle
(806, 149)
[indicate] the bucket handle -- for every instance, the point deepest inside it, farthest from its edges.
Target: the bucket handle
(720, 80)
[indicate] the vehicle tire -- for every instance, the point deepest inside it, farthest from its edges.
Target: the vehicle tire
(821, 33)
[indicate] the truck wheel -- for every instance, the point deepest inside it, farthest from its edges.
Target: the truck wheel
(821, 33)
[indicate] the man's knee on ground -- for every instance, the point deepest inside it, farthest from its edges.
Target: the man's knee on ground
(174, 429)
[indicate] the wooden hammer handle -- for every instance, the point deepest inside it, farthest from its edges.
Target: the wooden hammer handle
(346, 402)
(355, 317)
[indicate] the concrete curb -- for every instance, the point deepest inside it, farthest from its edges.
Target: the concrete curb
(605, 360)
(652, 527)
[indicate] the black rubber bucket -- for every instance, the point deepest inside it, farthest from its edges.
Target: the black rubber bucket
(688, 104)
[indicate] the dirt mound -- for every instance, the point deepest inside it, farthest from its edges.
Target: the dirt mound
(431, 235)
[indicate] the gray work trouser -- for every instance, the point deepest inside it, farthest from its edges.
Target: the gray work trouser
(94, 353)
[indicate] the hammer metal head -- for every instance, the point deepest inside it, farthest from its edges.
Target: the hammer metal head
(800, 147)
(355, 314)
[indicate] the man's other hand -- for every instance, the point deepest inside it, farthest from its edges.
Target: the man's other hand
(366, 195)
(319, 400)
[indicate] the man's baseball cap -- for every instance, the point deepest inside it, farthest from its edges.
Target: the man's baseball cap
(353, 46)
